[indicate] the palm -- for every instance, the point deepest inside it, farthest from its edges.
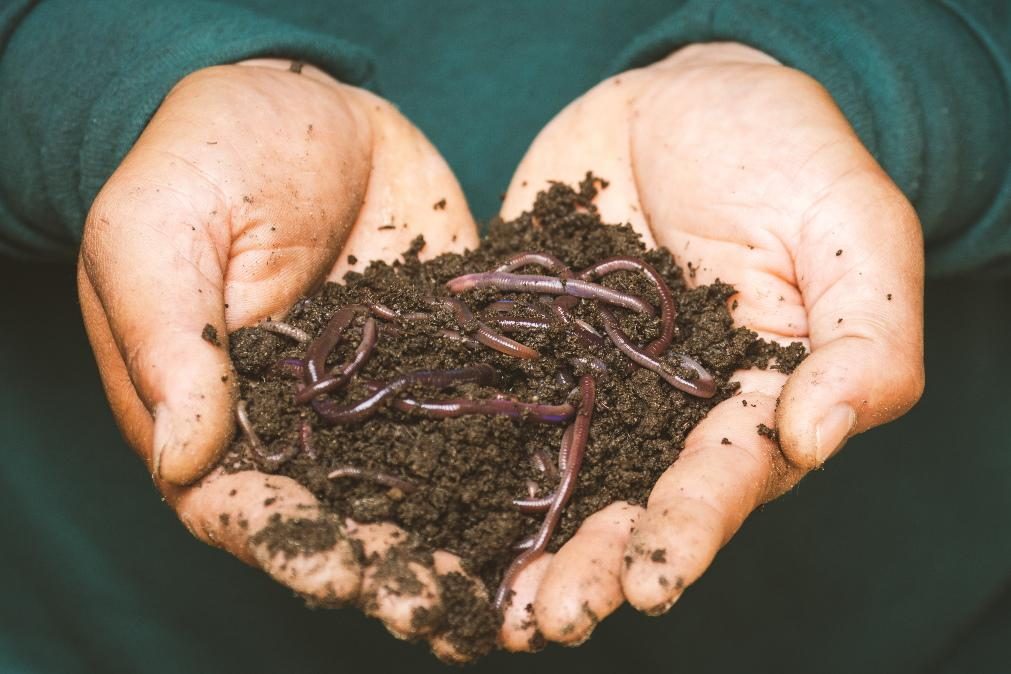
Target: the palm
(748, 173)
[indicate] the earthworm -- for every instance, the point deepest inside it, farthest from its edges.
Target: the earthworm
(290, 367)
(305, 437)
(548, 285)
(388, 314)
(340, 376)
(549, 262)
(457, 336)
(320, 348)
(704, 386)
(334, 413)
(524, 544)
(582, 329)
(533, 505)
(376, 476)
(270, 461)
(286, 329)
(513, 324)
(501, 306)
(457, 407)
(667, 311)
(543, 463)
(577, 449)
(484, 334)
(589, 362)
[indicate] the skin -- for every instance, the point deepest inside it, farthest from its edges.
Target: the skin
(249, 188)
(748, 171)
(252, 185)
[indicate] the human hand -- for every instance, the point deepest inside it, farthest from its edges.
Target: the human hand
(250, 186)
(747, 171)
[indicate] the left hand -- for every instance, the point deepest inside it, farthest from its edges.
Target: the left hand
(747, 170)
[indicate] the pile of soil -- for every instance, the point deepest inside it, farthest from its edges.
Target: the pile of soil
(467, 470)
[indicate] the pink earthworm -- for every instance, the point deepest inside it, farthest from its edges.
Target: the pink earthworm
(285, 329)
(484, 334)
(334, 413)
(342, 375)
(549, 285)
(667, 311)
(376, 476)
(270, 461)
(703, 386)
(577, 449)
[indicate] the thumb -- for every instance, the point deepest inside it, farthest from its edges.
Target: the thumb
(860, 271)
(158, 278)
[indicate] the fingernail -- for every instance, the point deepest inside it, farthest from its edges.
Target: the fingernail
(833, 430)
(162, 437)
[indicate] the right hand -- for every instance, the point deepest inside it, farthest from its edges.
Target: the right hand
(251, 186)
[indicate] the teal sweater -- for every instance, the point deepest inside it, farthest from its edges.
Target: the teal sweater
(926, 85)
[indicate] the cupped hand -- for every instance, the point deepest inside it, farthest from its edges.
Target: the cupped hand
(749, 173)
(251, 185)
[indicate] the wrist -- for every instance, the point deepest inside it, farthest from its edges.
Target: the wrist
(294, 66)
(716, 53)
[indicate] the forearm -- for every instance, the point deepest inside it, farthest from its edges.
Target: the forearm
(80, 80)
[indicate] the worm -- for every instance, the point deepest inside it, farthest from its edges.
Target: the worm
(286, 329)
(667, 311)
(270, 461)
(577, 449)
(703, 386)
(548, 285)
(333, 413)
(376, 476)
(342, 375)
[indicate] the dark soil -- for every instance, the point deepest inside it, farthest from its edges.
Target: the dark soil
(468, 469)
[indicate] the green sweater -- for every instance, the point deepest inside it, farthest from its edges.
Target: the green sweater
(895, 559)
(927, 86)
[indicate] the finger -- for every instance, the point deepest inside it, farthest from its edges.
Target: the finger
(473, 623)
(861, 273)
(582, 585)
(591, 134)
(725, 471)
(399, 585)
(276, 524)
(164, 308)
(411, 192)
(519, 624)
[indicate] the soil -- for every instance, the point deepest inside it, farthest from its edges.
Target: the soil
(468, 469)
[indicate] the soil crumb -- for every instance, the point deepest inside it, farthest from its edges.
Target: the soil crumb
(210, 335)
(465, 471)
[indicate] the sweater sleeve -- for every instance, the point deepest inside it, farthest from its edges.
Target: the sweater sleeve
(79, 80)
(926, 85)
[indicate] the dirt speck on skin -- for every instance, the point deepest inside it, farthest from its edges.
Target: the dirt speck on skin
(297, 537)
(210, 335)
(472, 625)
(439, 205)
(767, 432)
(467, 470)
